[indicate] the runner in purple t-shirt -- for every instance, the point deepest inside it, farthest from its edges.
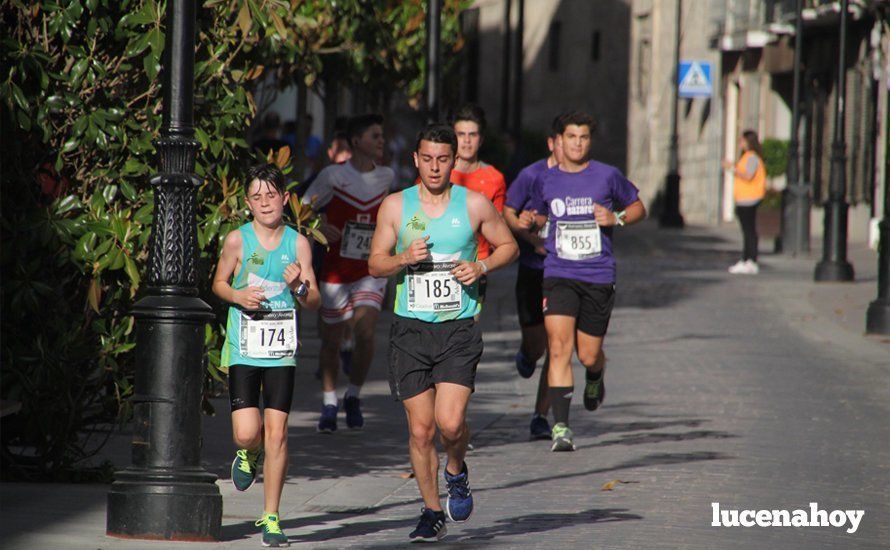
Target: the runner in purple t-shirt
(583, 201)
(530, 276)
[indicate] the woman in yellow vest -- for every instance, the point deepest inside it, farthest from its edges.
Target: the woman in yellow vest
(749, 188)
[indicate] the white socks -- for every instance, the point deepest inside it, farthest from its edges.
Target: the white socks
(330, 398)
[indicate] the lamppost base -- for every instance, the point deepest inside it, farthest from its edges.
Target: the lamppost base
(877, 318)
(164, 504)
(834, 271)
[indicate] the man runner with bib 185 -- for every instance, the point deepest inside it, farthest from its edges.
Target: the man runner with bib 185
(584, 201)
(530, 277)
(268, 261)
(351, 193)
(426, 236)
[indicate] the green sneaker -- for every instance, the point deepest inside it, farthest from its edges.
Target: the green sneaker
(272, 535)
(594, 391)
(562, 438)
(244, 468)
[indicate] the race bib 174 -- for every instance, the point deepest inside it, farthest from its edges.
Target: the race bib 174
(268, 334)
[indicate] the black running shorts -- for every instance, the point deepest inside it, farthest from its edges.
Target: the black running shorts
(590, 303)
(277, 384)
(422, 355)
(529, 296)
(483, 288)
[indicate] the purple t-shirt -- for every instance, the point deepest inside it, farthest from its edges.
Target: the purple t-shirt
(584, 251)
(519, 197)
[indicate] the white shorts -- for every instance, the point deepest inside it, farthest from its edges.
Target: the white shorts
(339, 300)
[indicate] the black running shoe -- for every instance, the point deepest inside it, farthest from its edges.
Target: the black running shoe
(539, 428)
(354, 418)
(430, 528)
(594, 391)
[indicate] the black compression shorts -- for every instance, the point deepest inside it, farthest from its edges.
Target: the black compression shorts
(276, 383)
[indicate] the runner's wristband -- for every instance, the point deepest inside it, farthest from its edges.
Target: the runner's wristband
(484, 267)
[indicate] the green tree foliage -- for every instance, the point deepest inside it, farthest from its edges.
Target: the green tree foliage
(81, 106)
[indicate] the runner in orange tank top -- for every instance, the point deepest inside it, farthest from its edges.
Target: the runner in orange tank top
(469, 125)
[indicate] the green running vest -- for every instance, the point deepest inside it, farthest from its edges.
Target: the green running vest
(426, 292)
(262, 268)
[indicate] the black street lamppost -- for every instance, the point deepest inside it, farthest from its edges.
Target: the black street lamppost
(796, 211)
(670, 215)
(877, 318)
(834, 265)
(433, 63)
(165, 493)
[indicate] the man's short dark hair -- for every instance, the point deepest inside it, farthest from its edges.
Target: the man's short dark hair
(438, 133)
(268, 173)
(471, 113)
(340, 135)
(557, 126)
(578, 118)
(357, 125)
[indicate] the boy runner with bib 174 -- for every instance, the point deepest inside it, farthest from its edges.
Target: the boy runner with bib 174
(584, 201)
(262, 263)
(426, 236)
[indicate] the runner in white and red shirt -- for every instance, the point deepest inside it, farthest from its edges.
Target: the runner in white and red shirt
(350, 193)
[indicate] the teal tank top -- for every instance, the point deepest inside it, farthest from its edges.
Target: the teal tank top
(262, 268)
(428, 292)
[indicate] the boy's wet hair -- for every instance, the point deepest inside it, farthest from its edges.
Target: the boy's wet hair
(578, 118)
(358, 125)
(268, 173)
(470, 112)
(438, 133)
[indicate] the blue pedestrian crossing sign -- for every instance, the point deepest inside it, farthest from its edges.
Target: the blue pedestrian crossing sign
(694, 79)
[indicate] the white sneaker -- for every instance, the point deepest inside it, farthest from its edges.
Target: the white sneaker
(739, 268)
(752, 267)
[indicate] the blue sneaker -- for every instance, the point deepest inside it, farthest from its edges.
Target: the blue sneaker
(430, 528)
(328, 421)
(354, 418)
(524, 365)
(459, 505)
(539, 428)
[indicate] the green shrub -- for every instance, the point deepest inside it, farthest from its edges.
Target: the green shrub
(81, 106)
(775, 156)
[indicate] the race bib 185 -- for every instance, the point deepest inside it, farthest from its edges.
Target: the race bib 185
(432, 287)
(268, 334)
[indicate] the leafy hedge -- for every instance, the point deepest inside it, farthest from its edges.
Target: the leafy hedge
(81, 105)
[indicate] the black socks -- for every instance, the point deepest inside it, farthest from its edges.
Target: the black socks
(560, 399)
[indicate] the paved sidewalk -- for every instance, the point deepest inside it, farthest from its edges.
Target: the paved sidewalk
(754, 392)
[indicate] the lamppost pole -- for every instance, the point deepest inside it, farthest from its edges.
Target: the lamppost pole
(433, 67)
(796, 211)
(165, 493)
(670, 216)
(877, 318)
(834, 265)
